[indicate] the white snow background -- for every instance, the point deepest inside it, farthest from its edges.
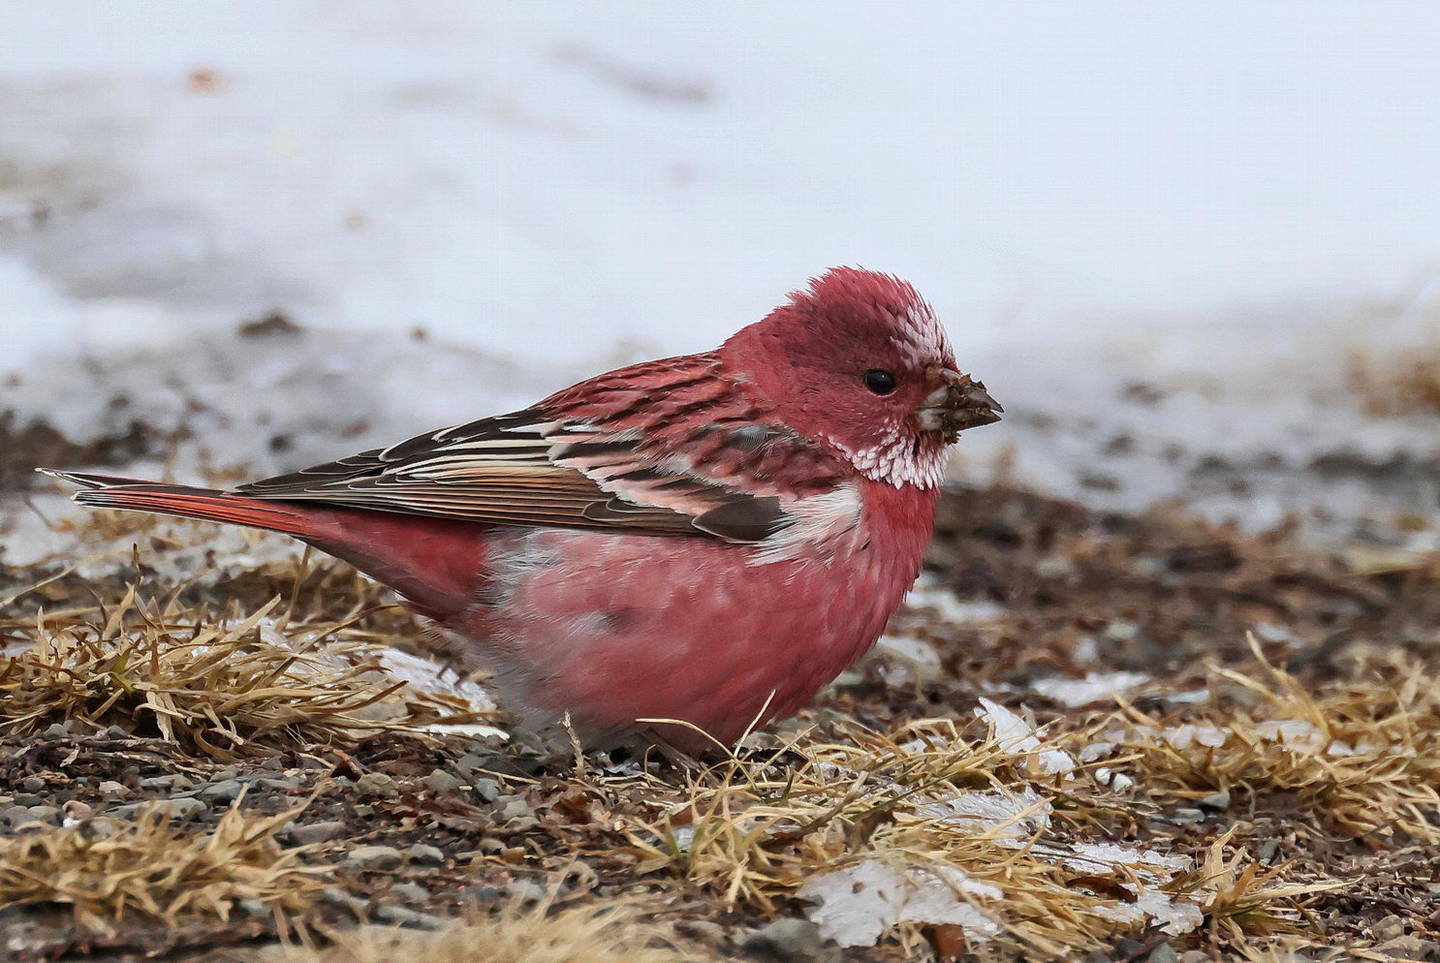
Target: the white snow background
(1220, 198)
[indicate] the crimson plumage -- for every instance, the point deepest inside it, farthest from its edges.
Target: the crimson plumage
(708, 538)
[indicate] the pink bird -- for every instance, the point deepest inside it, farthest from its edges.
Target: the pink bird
(707, 539)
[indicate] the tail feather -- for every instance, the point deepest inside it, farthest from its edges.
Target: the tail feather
(209, 504)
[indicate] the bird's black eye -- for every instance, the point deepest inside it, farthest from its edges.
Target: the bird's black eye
(879, 381)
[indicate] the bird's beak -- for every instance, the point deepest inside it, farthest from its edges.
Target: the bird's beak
(958, 402)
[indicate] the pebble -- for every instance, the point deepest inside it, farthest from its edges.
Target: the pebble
(1389, 928)
(336, 896)
(413, 892)
(398, 915)
(75, 812)
(182, 809)
(282, 783)
(470, 762)
(514, 809)
(1195, 956)
(58, 730)
(439, 781)
(224, 791)
(49, 815)
(425, 855)
(14, 815)
(173, 782)
(317, 832)
(28, 799)
(112, 790)
(178, 810)
(486, 789)
(786, 939)
(1216, 801)
(374, 857)
(377, 784)
(525, 890)
(254, 907)
(115, 732)
(1164, 953)
(32, 784)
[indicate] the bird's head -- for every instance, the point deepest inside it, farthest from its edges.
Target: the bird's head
(859, 363)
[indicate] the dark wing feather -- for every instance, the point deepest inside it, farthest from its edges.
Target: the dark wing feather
(528, 468)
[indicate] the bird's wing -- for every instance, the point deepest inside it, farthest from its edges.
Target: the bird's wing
(535, 468)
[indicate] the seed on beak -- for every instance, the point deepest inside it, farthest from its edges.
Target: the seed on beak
(960, 402)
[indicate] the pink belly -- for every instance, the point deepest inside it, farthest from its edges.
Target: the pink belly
(616, 629)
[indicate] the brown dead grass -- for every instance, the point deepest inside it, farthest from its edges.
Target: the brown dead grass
(222, 686)
(148, 869)
(1363, 756)
(602, 932)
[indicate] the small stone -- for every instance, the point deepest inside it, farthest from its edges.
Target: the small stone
(1389, 928)
(254, 907)
(75, 812)
(525, 890)
(377, 784)
(1184, 817)
(182, 809)
(281, 783)
(486, 789)
(32, 784)
(49, 815)
(28, 799)
(224, 791)
(413, 892)
(115, 732)
(1196, 956)
(1409, 947)
(490, 845)
(364, 811)
(514, 809)
(1215, 802)
(786, 939)
(14, 815)
(521, 824)
(336, 896)
(312, 833)
(1268, 850)
(374, 858)
(173, 782)
(439, 781)
(425, 855)
(397, 915)
(1164, 953)
(470, 762)
(58, 730)
(112, 790)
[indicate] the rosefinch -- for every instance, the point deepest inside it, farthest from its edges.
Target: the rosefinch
(708, 538)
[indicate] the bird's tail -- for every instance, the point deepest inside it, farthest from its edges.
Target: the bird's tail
(111, 491)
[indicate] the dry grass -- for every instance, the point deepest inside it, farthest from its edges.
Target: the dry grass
(151, 871)
(751, 835)
(222, 686)
(1361, 756)
(600, 932)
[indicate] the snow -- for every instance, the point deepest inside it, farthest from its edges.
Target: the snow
(1095, 687)
(857, 904)
(1218, 200)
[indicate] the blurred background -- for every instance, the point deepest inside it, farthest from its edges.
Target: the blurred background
(1194, 249)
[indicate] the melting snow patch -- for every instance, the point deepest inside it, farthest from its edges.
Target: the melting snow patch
(856, 905)
(1006, 816)
(1095, 687)
(1015, 735)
